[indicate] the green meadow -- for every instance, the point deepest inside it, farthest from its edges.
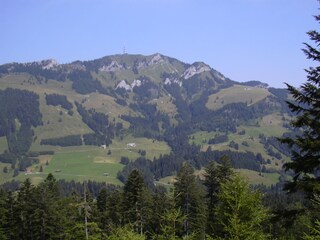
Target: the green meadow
(86, 165)
(255, 178)
(236, 93)
(81, 163)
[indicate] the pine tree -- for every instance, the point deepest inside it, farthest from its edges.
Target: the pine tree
(215, 175)
(25, 206)
(125, 233)
(11, 228)
(114, 209)
(46, 211)
(240, 212)
(102, 208)
(189, 197)
(136, 201)
(160, 204)
(170, 222)
(305, 146)
(102, 200)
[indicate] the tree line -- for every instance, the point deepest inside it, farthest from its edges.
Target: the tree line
(193, 210)
(219, 205)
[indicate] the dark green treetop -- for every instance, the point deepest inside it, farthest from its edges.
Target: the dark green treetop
(305, 146)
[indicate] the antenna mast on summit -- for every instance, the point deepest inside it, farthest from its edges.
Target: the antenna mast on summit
(124, 50)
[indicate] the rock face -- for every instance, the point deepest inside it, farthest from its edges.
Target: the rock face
(169, 81)
(194, 69)
(124, 84)
(129, 87)
(219, 76)
(112, 67)
(136, 83)
(157, 58)
(49, 64)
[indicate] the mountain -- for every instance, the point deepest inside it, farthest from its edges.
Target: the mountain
(98, 119)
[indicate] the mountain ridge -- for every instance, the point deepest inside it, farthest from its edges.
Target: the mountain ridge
(146, 60)
(173, 112)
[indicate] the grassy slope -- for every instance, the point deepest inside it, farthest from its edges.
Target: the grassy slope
(54, 124)
(237, 93)
(107, 105)
(78, 165)
(90, 162)
(86, 165)
(254, 178)
(164, 104)
(270, 125)
(153, 148)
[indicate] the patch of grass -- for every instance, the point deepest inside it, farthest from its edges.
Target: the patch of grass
(168, 180)
(73, 163)
(254, 178)
(127, 75)
(80, 166)
(81, 163)
(106, 104)
(57, 123)
(202, 137)
(43, 159)
(251, 136)
(236, 93)
(165, 105)
(153, 148)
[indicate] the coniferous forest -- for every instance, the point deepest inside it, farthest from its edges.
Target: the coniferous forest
(221, 205)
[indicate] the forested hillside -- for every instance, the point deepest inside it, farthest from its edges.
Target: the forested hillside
(154, 111)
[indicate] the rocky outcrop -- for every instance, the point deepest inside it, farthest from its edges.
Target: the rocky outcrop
(49, 64)
(157, 58)
(194, 69)
(169, 81)
(112, 67)
(124, 84)
(136, 83)
(129, 87)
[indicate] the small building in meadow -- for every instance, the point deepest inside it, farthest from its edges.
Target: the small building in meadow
(131, 145)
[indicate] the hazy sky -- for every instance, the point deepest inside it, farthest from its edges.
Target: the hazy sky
(243, 39)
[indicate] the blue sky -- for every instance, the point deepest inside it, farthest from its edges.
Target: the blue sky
(243, 39)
